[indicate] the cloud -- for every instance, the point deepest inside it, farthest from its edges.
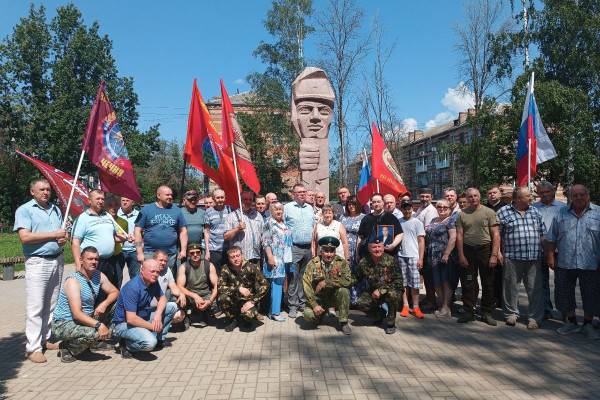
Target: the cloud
(458, 99)
(239, 81)
(408, 125)
(439, 119)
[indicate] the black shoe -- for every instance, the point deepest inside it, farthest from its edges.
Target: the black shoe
(161, 344)
(390, 329)
(103, 346)
(247, 325)
(488, 319)
(186, 323)
(202, 323)
(123, 350)
(466, 317)
(346, 330)
(66, 356)
(231, 325)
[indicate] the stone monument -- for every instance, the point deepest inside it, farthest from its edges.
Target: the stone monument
(312, 111)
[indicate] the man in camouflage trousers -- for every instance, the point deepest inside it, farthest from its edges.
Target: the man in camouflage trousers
(241, 286)
(384, 285)
(327, 279)
(79, 322)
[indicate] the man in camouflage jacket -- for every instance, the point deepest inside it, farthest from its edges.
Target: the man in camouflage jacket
(241, 286)
(326, 281)
(384, 284)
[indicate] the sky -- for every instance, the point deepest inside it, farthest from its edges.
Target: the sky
(164, 45)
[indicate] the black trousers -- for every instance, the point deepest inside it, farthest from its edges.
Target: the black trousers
(478, 258)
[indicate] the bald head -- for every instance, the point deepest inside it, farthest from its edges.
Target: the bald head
(164, 196)
(389, 203)
(150, 270)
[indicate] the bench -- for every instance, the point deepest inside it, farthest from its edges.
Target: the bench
(8, 266)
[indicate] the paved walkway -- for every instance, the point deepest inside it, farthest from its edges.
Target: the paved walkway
(423, 360)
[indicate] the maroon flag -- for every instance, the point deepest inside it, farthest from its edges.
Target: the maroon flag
(105, 147)
(61, 183)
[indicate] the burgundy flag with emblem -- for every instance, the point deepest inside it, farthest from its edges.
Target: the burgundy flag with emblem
(103, 142)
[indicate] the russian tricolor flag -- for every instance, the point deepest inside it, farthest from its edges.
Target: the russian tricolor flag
(364, 182)
(534, 145)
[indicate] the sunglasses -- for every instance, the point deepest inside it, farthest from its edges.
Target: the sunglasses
(195, 253)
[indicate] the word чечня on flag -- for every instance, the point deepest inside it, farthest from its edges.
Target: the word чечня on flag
(365, 187)
(62, 182)
(534, 145)
(384, 168)
(204, 150)
(232, 135)
(105, 147)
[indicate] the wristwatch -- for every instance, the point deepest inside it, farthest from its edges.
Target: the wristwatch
(97, 326)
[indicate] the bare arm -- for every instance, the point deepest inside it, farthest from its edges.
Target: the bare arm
(421, 242)
(230, 234)
(460, 248)
(139, 243)
(495, 245)
(76, 250)
(133, 319)
(344, 240)
(396, 242)
(450, 245)
(206, 240)
(214, 281)
(111, 295)
(183, 242)
(28, 237)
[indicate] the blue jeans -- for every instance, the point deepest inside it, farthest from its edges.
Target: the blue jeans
(133, 265)
(276, 294)
(141, 339)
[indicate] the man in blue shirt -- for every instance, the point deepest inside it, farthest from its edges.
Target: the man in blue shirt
(130, 214)
(139, 327)
(299, 217)
(575, 233)
(38, 223)
(96, 228)
(215, 227)
(159, 226)
(549, 207)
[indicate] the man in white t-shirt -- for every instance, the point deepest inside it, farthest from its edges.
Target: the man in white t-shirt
(167, 281)
(426, 212)
(410, 258)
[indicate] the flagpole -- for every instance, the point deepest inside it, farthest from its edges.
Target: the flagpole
(75, 179)
(377, 183)
(529, 140)
(182, 188)
(237, 177)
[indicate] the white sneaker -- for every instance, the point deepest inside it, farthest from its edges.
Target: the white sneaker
(568, 328)
(589, 332)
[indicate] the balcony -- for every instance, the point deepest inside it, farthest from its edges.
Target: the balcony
(421, 166)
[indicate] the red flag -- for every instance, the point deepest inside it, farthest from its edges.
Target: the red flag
(105, 147)
(61, 183)
(232, 134)
(203, 149)
(384, 167)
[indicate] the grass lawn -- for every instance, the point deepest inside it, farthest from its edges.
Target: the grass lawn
(10, 246)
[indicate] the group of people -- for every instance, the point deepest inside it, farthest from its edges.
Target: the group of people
(201, 261)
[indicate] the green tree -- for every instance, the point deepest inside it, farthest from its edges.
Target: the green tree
(567, 84)
(267, 130)
(49, 75)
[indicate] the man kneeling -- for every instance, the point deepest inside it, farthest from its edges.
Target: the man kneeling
(197, 280)
(327, 279)
(241, 286)
(136, 324)
(384, 285)
(77, 323)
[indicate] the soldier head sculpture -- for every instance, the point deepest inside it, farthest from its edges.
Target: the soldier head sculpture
(312, 111)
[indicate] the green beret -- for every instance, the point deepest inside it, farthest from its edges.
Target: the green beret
(329, 241)
(194, 246)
